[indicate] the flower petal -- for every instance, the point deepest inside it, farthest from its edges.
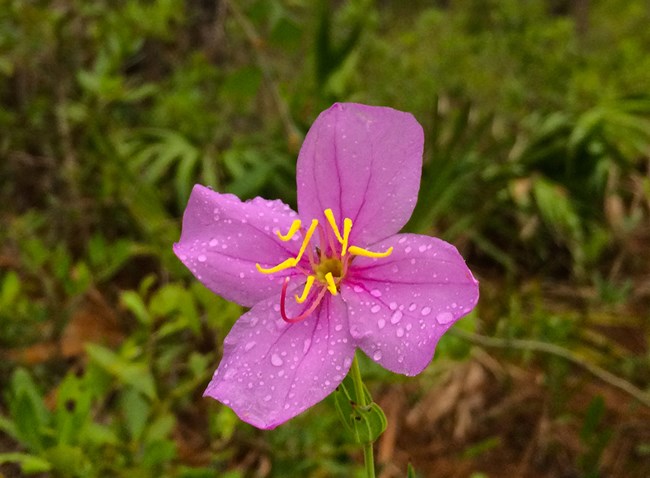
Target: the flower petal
(271, 370)
(223, 238)
(400, 306)
(363, 162)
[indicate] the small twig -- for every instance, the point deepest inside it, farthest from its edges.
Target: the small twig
(558, 351)
(291, 131)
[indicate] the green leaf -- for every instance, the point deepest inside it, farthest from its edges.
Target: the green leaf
(27, 410)
(29, 464)
(72, 409)
(410, 471)
(136, 412)
(134, 303)
(135, 375)
(364, 423)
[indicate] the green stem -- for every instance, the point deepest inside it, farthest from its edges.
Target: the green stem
(368, 456)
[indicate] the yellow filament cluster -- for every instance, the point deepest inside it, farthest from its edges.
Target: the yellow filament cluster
(330, 282)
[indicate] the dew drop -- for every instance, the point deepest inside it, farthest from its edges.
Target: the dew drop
(305, 346)
(392, 305)
(408, 249)
(400, 332)
(426, 310)
(249, 346)
(396, 317)
(444, 317)
(381, 323)
(338, 327)
(267, 398)
(377, 355)
(375, 308)
(241, 275)
(358, 289)
(276, 360)
(213, 242)
(375, 293)
(422, 248)
(412, 307)
(202, 258)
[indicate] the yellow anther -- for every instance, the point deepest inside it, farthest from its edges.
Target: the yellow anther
(357, 251)
(306, 239)
(295, 225)
(330, 218)
(291, 262)
(305, 291)
(331, 285)
(347, 227)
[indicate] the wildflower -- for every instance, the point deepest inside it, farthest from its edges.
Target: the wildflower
(332, 278)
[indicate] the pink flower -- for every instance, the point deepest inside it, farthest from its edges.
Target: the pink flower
(332, 278)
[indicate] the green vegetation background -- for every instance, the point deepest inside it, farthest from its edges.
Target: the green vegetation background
(537, 120)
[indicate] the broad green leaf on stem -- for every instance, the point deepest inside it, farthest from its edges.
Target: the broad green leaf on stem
(364, 423)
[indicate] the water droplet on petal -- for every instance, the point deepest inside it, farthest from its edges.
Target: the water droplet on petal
(426, 310)
(202, 258)
(412, 307)
(396, 317)
(267, 398)
(400, 332)
(377, 355)
(375, 293)
(381, 323)
(249, 346)
(338, 327)
(392, 305)
(444, 317)
(375, 308)
(213, 242)
(276, 360)
(306, 345)
(422, 248)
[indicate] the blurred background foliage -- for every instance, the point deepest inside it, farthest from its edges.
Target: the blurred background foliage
(537, 166)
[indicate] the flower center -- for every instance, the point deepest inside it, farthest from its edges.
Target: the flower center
(328, 263)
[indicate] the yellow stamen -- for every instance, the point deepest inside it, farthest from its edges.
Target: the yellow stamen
(330, 218)
(331, 285)
(357, 251)
(295, 225)
(307, 238)
(305, 291)
(291, 262)
(347, 227)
